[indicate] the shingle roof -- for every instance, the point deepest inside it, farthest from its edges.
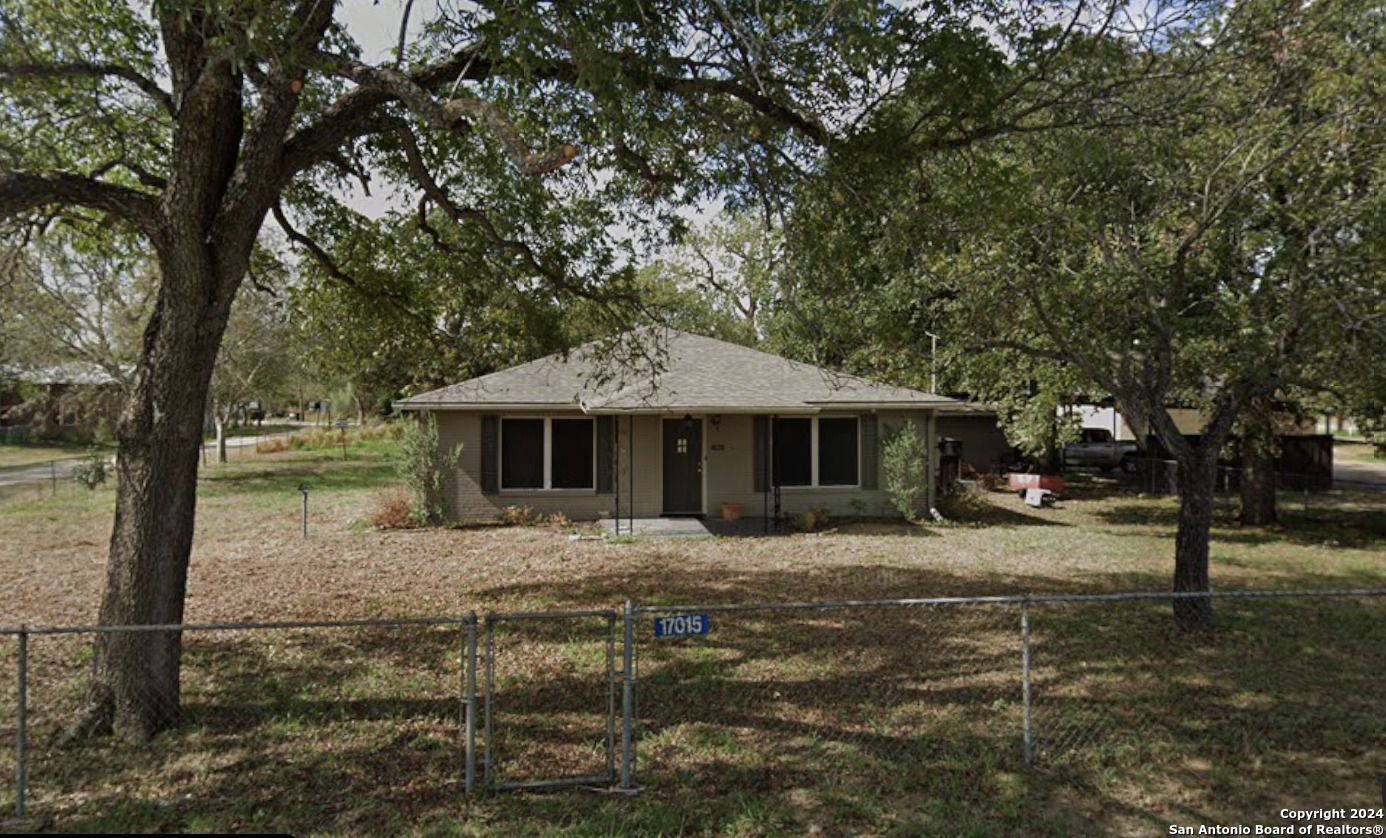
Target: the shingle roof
(682, 373)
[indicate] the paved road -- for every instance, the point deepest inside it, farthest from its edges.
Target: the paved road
(43, 472)
(1358, 474)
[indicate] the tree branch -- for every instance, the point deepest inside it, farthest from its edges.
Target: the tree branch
(21, 192)
(82, 69)
(448, 114)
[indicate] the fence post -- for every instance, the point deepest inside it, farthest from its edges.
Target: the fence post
(628, 700)
(469, 689)
(486, 760)
(21, 736)
(1025, 676)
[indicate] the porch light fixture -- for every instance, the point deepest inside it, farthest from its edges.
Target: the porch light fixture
(688, 421)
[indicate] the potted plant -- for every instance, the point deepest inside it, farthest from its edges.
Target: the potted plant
(731, 511)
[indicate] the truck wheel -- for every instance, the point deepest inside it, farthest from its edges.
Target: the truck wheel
(1130, 464)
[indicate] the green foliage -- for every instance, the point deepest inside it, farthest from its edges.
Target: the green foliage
(425, 467)
(91, 471)
(905, 462)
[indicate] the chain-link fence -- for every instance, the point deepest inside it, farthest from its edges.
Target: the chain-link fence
(271, 717)
(550, 692)
(842, 704)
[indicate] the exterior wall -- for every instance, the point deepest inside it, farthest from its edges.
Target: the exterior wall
(468, 503)
(983, 443)
(645, 461)
(728, 473)
(731, 472)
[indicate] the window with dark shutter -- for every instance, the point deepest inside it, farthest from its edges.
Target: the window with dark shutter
(794, 452)
(869, 453)
(522, 454)
(762, 454)
(606, 449)
(571, 465)
(837, 452)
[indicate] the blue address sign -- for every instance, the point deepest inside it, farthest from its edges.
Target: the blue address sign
(682, 625)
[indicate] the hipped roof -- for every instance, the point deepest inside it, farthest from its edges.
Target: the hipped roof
(681, 373)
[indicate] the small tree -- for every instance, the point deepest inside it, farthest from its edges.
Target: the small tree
(906, 461)
(424, 466)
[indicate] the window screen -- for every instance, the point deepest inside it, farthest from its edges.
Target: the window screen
(522, 454)
(794, 452)
(571, 467)
(837, 452)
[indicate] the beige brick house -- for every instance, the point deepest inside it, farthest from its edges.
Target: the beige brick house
(694, 424)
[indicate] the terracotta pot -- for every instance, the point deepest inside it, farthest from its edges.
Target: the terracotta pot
(731, 511)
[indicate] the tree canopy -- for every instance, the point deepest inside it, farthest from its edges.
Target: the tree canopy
(1207, 237)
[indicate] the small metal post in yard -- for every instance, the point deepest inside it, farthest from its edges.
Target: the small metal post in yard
(53, 471)
(1025, 676)
(469, 670)
(21, 737)
(304, 488)
(628, 700)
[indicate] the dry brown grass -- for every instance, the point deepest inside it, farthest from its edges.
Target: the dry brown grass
(834, 723)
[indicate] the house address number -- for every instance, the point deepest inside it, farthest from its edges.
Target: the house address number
(682, 625)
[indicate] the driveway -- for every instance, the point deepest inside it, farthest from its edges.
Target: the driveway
(1356, 472)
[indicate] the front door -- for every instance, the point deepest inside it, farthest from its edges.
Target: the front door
(683, 467)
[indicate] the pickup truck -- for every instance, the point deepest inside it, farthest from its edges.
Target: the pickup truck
(1095, 448)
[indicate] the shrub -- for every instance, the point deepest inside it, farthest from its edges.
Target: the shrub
(273, 446)
(812, 521)
(558, 519)
(393, 511)
(91, 472)
(424, 467)
(905, 459)
(520, 516)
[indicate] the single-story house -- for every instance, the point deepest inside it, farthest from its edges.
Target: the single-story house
(698, 423)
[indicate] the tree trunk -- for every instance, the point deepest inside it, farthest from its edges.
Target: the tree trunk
(1259, 449)
(360, 409)
(134, 689)
(1197, 471)
(221, 437)
(1258, 486)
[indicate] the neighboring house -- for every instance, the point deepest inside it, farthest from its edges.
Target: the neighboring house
(700, 423)
(72, 397)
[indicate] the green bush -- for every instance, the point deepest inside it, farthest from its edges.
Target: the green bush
(905, 459)
(91, 472)
(424, 467)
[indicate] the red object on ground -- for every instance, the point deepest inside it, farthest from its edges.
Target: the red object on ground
(1021, 482)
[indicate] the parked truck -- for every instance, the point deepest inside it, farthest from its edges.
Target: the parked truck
(1096, 448)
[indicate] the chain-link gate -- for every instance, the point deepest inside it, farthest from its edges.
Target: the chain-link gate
(550, 717)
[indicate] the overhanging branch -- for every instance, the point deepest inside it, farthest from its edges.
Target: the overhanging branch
(449, 114)
(21, 192)
(82, 69)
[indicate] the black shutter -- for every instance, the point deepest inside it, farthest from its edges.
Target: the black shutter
(606, 449)
(868, 452)
(490, 455)
(762, 453)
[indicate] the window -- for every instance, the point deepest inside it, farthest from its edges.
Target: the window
(547, 454)
(837, 452)
(817, 451)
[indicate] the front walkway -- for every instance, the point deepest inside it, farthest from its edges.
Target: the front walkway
(689, 527)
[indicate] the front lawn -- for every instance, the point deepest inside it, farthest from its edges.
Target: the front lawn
(888, 722)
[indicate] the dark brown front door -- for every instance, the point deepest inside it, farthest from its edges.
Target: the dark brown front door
(683, 467)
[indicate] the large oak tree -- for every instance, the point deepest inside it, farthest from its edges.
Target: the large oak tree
(191, 122)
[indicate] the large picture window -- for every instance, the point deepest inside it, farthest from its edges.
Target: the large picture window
(817, 451)
(547, 454)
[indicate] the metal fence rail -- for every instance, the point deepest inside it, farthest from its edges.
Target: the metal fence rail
(851, 699)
